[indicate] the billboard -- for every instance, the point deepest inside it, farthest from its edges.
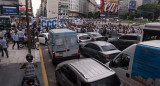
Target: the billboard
(132, 5)
(111, 5)
(10, 10)
(48, 22)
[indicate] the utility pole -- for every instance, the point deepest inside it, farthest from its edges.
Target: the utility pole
(28, 29)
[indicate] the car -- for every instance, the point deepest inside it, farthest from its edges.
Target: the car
(63, 45)
(83, 38)
(43, 38)
(96, 36)
(126, 40)
(100, 50)
(85, 72)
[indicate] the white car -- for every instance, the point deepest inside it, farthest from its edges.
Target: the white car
(43, 38)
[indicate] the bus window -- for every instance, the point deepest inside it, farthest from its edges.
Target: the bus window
(151, 35)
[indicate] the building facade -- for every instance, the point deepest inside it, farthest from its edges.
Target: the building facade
(52, 8)
(123, 7)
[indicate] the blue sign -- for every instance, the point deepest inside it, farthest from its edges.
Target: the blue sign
(9, 10)
(132, 5)
(48, 22)
(146, 65)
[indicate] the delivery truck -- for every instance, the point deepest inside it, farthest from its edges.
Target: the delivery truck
(139, 64)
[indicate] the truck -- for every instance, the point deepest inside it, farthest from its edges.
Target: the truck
(139, 64)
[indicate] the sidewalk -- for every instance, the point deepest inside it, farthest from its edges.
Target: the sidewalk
(10, 74)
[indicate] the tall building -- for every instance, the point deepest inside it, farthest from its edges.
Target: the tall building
(123, 7)
(51, 8)
(150, 1)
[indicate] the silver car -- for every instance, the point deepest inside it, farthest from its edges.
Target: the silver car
(83, 38)
(85, 72)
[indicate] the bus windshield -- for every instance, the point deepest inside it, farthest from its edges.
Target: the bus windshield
(151, 35)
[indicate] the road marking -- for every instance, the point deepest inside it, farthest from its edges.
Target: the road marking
(43, 68)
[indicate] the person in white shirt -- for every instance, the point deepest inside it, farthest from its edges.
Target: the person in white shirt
(21, 35)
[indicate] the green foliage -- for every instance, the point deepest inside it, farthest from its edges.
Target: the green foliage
(95, 15)
(150, 11)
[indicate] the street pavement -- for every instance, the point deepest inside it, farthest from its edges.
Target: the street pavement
(50, 68)
(10, 72)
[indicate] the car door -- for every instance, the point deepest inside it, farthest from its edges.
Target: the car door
(67, 77)
(94, 50)
(121, 67)
(72, 46)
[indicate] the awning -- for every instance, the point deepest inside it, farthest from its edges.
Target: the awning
(24, 8)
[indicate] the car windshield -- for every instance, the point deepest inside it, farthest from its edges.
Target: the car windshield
(96, 34)
(85, 37)
(109, 81)
(108, 47)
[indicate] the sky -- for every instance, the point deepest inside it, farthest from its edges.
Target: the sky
(36, 4)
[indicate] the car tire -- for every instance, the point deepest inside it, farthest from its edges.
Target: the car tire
(57, 82)
(54, 62)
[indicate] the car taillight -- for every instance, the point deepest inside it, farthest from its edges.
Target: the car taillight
(53, 53)
(80, 41)
(93, 39)
(78, 50)
(106, 57)
(30, 83)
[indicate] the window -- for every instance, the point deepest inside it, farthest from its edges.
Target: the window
(128, 37)
(70, 75)
(93, 46)
(151, 35)
(108, 47)
(123, 61)
(85, 37)
(41, 35)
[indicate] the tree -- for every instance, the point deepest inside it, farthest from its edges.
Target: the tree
(149, 11)
(97, 14)
(90, 15)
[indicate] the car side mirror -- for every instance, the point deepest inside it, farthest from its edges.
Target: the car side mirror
(112, 64)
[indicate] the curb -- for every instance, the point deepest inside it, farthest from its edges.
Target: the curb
(43, 68)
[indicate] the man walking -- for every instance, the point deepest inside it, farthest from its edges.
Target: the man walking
(4, 46)
(15, 40)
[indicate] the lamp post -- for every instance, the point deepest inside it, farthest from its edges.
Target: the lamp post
(28, 29)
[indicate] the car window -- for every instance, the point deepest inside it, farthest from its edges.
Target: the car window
(128, 37)
(112, 80)
(85, 37)
(41, 35)
(93, 46)
(70, 75)
(108, 47)
(122, 61)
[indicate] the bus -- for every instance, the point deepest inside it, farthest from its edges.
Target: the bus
(5, 22)
(151, 31)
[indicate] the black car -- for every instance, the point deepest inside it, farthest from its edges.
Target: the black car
(100, 50)
(126, 40)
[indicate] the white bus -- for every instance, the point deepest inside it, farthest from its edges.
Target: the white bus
(151, 31)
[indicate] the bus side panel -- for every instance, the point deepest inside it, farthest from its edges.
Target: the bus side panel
(146, 65)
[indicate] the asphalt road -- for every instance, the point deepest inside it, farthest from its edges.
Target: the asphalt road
(50, 68)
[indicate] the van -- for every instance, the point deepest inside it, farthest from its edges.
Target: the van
(139, 64)
(63, 45)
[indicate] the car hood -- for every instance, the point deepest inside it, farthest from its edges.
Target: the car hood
(111, 52)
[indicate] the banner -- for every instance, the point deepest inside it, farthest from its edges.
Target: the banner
(48, 22)
(111, 5)
(132, 5)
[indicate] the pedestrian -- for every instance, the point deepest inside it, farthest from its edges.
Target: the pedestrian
(4, 46)
(15, 40)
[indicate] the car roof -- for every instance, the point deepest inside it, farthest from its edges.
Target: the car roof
(92, 32)
(153, 43)
(90, 70)
(61, 30)
(101, 43)
(81, 34)
(132, 34)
